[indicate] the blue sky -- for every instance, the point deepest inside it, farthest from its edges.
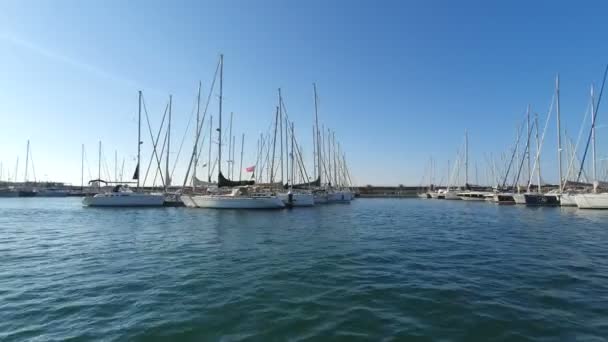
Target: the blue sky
(399, 81)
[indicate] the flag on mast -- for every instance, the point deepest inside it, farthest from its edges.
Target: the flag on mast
(250, 169)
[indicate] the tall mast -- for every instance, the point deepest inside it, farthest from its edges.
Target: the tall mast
(197, 132)
(593, 160)
(232, 159)
(99, 166)
(334, 159)
(167, 176)
(329, 163)
(219, 130)
(274, 144)
(281, 131)
(559, 136)
(27, 159)
(241, 164)
(287, 148)
(210, 144)
(466, 158)
(314, 85)
(448, 186)
(82, 168)
(314, 152)
(292, 155)
(229, 161)
(528, 144)
(538, 155)
(138, 139)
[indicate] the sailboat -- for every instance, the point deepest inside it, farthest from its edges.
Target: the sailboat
(122, 195)
(538, 198)
(243, 196)
(593, 200)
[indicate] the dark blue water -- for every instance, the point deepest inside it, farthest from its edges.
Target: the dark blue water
(372, 270)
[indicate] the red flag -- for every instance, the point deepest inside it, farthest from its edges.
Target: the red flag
(250, 169)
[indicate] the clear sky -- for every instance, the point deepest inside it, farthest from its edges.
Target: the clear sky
(398, 81)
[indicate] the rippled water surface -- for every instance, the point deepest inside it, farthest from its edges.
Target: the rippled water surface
(373, 270)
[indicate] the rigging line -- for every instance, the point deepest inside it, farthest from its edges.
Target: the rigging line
(200, 125)
(155, 142)
(542, 140)
(593, 126)
(143, 101)
(578, 140)
(179, 151)
(162, 154)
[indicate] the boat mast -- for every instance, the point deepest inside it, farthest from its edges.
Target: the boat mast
(167, 176)
(559, 137)
(292, 155)
(329, 164)
(219, 130)
(27, 158)
(197, 133)
(286, 148)
(229, 161)
(281, 131)
(593, 160)
(274, 144)
(99, 167)
(538, 155)
(210, 144)
(314, 85)
(241, 164)
(138, 140)
(334, 159)
(466, 158)
(314, 152)
(82, 168)
(528, 145)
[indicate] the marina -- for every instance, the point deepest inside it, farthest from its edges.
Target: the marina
(311, 171)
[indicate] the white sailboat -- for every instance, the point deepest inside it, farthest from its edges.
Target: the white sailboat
(593, 200)
(241, 197)
(122, 196)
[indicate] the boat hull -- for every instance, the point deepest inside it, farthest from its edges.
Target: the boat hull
(124, 200)
(237, 202)
(297, 199)
(592, 201)
(519, 198)
(187, 200)
(567, 200)
(504, 199)
(451, 196)
(339, 197)
(541, 200)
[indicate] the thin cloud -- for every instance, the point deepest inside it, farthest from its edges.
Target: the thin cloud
(91, 69)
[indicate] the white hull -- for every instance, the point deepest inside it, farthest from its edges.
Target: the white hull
(238, 202)
(567, 200)
(299, 199)
(592, 201)
(451, 195)
(120, 199)
(473, 196)
(187, 200)
(339, 197)
(519, 198)
(434, 195)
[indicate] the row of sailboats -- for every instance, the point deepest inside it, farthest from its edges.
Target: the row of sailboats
(256, 193)
(585, 195)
